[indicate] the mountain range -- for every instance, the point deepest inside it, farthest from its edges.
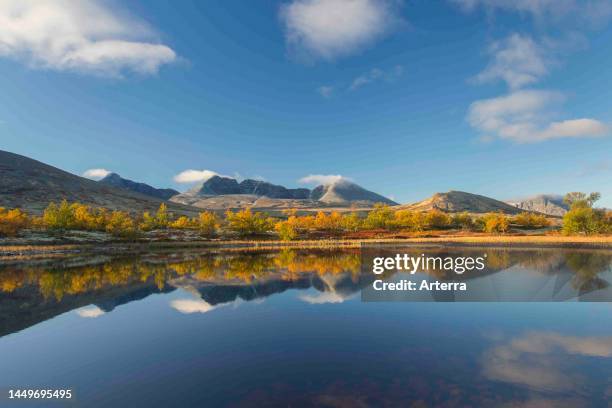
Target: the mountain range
(115, 180)
(31, 185)
(220, 192)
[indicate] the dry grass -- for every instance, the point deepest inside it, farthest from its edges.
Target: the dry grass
(11, 252)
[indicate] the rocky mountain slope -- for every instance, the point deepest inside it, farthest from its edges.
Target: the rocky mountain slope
(224, 192)
(549, 204)
(345, 193)
(29, 184)
(115, 180)
(458, 201)
(219, 185)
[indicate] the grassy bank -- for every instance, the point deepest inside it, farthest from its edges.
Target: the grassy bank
(12, 251)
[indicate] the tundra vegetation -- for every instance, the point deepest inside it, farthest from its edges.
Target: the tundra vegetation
(581, 219)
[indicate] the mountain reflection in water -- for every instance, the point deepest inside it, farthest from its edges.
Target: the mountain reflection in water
(286, 328)
(218, 278)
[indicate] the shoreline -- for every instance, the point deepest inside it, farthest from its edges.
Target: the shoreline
(16, 251)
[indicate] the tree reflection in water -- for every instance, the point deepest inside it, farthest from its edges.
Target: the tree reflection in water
(75, 276)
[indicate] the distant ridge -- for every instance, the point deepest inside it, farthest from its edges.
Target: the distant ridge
(29, 184)
(459, 201)
(219, 185)
(115, 180)
(549, 204)
(220, 192)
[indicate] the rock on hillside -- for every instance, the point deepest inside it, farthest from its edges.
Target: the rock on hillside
(549, 204)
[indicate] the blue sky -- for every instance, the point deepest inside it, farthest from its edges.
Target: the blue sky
(407, 98)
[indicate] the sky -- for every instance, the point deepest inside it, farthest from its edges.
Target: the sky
(407, 98)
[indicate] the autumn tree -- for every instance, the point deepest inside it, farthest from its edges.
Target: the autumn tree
(409, 220)
(59, 217)
(580, 199)
(495, 222)
(531, 220)
(287, 229)
(582, 218)
(12, 221)
(331, 222)
(381, 216)
(436, 219)
(183, 222)
(246, 222)
(120, 224)
(208, 223)
(351, 222)
(162, 218)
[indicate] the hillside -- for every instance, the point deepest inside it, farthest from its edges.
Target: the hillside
(459, 201)
(116, 180)
(29, 184)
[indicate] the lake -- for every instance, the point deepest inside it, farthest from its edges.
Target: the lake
(290, 328)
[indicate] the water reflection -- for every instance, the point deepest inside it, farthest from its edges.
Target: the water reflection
(203, 337)
(549, 362)
(217, 279)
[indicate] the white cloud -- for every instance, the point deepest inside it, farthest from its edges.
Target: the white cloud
(534, 7)
(523, 116)
(194, 176)
(376, 74)
(188, 306)
(90, 312)
(96, 174)
(85, 36)
(326, 91)
(335, 28)
(324, 297)
(324, 179)
(518, 60)
(574, 128)
(594, 12)
(537, 360)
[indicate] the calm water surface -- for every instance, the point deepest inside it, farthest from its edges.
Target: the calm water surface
(289, 328)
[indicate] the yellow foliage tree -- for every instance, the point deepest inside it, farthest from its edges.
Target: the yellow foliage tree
(12, 221)
(531, 220)
(328, 222)
(287, 230)
(120, 224)
(351, 222)
(463, 220)
(496, 222)
(436, 219)
(245, 222)
(410, 220)
(59, 217)
(381, 216)
(162, 218)
(208, 223)
(183, 222)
